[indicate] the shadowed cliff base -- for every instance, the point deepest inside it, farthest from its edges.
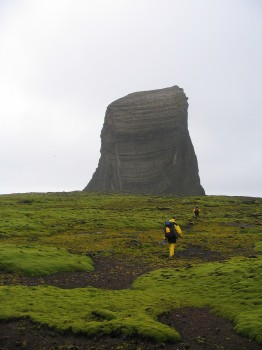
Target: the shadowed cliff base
(146, 146)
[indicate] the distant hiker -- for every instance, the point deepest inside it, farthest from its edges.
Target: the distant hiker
(196, 211)
(172, 231)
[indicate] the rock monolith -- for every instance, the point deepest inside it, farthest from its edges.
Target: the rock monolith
(146, 146)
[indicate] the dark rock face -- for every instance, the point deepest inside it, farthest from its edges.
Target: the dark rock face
(146, 147)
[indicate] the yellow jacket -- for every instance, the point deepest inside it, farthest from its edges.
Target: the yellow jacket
(177, 228)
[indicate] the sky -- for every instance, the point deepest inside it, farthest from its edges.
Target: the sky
(62, 62)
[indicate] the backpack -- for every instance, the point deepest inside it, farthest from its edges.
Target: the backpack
(170, 230)
(168, 223)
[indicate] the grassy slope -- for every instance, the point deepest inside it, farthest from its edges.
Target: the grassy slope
(82, 223)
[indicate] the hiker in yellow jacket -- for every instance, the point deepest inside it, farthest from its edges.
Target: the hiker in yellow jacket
(172, 231)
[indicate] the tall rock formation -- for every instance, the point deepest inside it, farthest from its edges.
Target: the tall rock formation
(146, 147)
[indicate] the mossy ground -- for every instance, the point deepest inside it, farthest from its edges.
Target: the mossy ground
(39, 260)
(130, 227)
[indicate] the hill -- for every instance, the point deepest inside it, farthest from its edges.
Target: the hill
(83, 269)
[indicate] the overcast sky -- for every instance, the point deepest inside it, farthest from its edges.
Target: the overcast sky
(62, 62)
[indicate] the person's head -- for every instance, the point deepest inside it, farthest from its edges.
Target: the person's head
(173, 217)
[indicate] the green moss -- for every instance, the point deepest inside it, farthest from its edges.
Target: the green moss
(258, 247)
(83, 223)
(119, 312)
(104, 314)
(248, 324)
(37, 261)
(230, 289)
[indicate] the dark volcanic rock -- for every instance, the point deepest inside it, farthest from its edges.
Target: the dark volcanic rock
(146, 147)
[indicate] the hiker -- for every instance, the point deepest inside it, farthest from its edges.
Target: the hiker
(172, 231)
(196, 211)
